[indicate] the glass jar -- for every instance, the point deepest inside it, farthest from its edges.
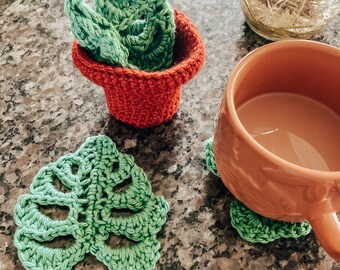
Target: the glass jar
(286, 19)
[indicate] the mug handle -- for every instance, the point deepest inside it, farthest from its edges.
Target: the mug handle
(327, 230)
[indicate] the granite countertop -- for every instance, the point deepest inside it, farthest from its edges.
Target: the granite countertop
(48, 109)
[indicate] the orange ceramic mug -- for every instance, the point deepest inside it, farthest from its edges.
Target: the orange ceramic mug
(264, 182)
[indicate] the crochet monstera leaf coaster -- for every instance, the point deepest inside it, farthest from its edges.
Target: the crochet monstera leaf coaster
(102, 186)
(251, 226)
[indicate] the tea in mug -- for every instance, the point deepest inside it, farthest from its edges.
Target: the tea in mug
(296, 128)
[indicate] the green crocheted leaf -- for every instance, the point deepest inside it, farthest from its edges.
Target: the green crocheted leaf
(131, 33)
(251, 226)
(93, 176)
(209, 156)
(257, 229)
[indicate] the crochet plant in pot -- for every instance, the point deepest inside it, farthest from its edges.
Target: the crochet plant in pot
(140, 52)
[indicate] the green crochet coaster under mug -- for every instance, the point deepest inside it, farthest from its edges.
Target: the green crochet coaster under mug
(251, 226)
(101, 182)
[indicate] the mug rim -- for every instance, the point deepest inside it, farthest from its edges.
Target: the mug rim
(230, 106)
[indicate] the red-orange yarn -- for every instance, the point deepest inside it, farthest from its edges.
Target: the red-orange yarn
(145, 99)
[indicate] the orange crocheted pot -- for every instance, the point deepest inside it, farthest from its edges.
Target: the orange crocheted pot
(145, 99)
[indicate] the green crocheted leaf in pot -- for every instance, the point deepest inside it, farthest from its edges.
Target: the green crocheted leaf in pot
(251, 226)
(130, 33)
(98, 182)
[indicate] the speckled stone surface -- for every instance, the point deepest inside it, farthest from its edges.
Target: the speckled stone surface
(48, 109)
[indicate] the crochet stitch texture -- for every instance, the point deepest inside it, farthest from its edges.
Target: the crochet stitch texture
(93, 195)
(251, 226)
(137, 34)
(145, 99)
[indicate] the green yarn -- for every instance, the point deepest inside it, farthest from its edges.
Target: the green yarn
(138, 34)
(251, 226)
(209, 156)
(257, 229)
(94, 176)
